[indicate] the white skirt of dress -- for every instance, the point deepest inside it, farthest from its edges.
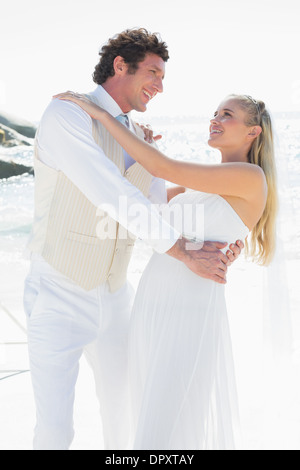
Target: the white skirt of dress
(183, 391)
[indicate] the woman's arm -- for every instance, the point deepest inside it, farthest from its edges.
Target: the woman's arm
(227, 179)
(174, 191)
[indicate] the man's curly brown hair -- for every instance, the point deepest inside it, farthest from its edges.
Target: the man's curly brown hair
(133, 45)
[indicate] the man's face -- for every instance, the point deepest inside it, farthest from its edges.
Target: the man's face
(140, 88)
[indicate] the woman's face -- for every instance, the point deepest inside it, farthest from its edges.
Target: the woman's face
(228, 129)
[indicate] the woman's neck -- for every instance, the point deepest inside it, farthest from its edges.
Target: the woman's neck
(232, 156)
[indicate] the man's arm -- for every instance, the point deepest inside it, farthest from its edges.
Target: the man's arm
(65, 142)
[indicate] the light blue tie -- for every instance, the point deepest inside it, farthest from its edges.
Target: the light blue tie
(128, 160)
(123, 118)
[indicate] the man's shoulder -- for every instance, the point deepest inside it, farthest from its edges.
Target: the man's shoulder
(61, 110)
(57, 106)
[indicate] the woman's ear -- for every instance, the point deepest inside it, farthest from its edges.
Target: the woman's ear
(254, 132)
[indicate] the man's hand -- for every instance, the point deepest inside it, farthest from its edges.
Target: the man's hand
(234, 252)
(208, 262)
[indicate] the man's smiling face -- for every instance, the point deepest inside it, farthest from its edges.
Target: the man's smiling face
(139, 88)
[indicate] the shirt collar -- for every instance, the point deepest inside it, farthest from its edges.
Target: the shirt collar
(106, 101)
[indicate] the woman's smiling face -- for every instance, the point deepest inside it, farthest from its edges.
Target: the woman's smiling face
(228, 128)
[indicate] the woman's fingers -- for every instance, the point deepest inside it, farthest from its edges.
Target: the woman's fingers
(71, 96)
(81, 100)
(65, 93)
(148, 133)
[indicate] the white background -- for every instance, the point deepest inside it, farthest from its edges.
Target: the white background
(217, 47)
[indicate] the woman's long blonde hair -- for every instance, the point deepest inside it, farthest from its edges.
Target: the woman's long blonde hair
(261, 243)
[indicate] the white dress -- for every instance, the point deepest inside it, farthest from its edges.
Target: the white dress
(181, 367)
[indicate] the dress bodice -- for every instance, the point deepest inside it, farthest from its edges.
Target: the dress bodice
(202, 216)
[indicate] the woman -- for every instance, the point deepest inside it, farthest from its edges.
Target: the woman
(182, 377)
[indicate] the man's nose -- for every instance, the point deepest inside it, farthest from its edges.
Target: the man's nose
(159, 85)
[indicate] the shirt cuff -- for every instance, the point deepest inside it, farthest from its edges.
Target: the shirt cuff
(164, 244)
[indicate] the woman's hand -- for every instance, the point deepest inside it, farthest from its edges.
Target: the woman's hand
(148, 132)
(88, 106)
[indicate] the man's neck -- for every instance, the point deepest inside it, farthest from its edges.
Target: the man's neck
(115, 92)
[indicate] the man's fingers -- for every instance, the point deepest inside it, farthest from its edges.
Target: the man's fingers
(240, 244)
(220, 245)
(223, 267)
(235, 249)
(221, 273)
(218, 279)
(213, 246)
(230, 256)
(223, 258)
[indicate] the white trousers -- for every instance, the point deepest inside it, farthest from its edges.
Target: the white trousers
(63, 322)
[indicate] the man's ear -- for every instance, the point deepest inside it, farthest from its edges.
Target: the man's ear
(120, 66)
(254, 132)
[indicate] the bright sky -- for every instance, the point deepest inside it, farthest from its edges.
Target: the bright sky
(217, 47)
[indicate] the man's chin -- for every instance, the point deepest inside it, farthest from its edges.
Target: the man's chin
(141, 108)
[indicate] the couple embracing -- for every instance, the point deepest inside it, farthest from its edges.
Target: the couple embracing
(162, 361)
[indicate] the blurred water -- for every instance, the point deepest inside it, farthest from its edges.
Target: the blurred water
(185, 138)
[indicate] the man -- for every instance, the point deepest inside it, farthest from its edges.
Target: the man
(77, 298)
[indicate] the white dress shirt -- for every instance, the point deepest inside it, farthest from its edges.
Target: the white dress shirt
(65, 143)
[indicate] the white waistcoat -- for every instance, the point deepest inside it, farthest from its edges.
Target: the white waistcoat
(65, 223)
